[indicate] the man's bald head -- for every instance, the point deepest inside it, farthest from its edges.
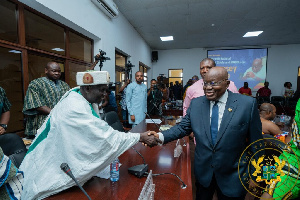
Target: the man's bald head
(53, 71)
(51, 64)
(267, 111)
(257, 65)
(215, 83)
(219, 72)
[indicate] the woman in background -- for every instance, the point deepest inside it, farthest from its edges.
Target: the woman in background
(287, 91)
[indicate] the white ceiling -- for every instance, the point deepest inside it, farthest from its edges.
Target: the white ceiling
(190, 22)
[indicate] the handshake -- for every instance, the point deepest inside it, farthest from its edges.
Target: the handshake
(150, 139)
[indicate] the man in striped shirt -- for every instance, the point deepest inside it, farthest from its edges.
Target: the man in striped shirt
(11, 179)
(4, 111)
(42, 95)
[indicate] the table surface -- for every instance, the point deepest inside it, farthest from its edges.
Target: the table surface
(160, 159)
(173, 111)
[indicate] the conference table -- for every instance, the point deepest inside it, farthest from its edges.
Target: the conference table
(160, 159)
(173, 112)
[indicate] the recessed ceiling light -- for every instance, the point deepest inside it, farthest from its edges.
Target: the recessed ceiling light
(212, 24)
(166, 38)
(14, 51)
(252, 34)
(57, 49)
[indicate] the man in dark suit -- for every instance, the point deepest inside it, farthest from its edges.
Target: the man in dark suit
(222, 131)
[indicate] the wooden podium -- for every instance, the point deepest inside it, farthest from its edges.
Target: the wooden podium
(160, 159)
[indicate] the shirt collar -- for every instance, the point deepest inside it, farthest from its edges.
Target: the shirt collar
(223, 98)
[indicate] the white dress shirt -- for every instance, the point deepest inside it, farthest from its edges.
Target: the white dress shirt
(221, 104)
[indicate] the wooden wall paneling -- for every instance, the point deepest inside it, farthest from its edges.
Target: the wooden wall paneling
(67, 48)
(21, 25)
(25, 70)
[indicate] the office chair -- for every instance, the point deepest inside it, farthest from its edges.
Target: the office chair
(13, 147)
(290, 102)
(277, 100)
(108, 109)
(113, 120)
(261, 100)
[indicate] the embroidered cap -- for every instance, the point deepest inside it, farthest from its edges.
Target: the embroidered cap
(92, 77)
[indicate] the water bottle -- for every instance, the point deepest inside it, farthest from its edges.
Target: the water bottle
(282, 118)
(114, 170)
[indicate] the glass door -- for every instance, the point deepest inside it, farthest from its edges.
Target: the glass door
(11, 82)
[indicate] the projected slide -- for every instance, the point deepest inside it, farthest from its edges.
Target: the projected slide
(243, 65)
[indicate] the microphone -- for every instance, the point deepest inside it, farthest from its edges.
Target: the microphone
(154, 102)
(183, 186)
(140, 155)
(65, 167)
(282, 107)
(138, 170)
(153, 121)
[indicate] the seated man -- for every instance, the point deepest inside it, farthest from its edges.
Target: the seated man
(289, 186)
(74, 134)
(11, 179)
(267, 113)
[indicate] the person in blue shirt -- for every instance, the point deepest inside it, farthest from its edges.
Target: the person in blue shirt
(136, 99)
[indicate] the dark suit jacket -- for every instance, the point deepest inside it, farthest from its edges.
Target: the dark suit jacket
(240, 126)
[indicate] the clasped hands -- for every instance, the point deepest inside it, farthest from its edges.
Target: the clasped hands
(150, 138)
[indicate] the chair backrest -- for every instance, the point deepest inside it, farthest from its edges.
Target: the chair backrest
(108, 109)
(277, 100)
(113, 120)
(266, 99)
(261, 100)
(290, 102)
(13, 147)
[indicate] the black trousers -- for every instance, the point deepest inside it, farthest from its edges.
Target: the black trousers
(204, 193)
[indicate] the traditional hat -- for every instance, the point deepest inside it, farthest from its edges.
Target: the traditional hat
(92, 77)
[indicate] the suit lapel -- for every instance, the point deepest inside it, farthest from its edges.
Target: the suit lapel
(229, 111)
(206, 118)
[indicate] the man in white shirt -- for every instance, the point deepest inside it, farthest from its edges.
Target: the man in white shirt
(73, 133)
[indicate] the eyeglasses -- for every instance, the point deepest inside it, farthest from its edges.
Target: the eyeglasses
(195, 79)
(213, 83)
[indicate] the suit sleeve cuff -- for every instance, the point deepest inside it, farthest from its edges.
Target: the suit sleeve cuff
(161, 137)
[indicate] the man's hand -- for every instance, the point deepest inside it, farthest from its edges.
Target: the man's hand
(2, 130)
(153, 133)
(191, 136)
(132, 117)
(149, 138)
(44, 110)
(250, 75)
(280, 125)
